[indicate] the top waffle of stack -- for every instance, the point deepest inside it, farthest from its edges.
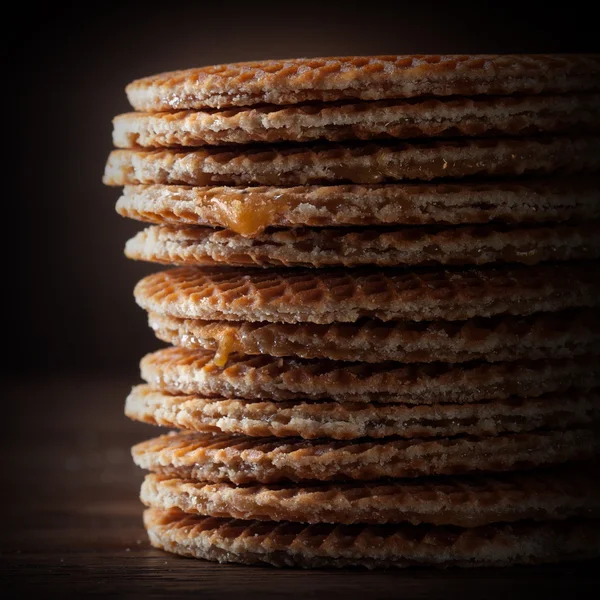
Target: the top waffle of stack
(363, 78)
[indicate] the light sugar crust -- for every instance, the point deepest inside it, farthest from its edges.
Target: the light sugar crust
(341, 295)
(348, 421)
(426, 246)
(286, 544)
(366, 78)
(542, 335)
(241, 459)
(184, 371)
(354, 163)
(249, 211)
(553, 493)
(451, 117)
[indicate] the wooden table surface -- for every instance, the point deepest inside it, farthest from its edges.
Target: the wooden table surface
(73, 520)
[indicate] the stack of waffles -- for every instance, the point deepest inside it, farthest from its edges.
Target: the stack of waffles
(383, 310)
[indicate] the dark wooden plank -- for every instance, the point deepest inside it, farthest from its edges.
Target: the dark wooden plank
(74, 520)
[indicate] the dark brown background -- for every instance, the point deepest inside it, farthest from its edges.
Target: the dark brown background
(73, 332)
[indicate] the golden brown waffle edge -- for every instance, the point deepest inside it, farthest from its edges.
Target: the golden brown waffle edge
(241, 459)
(316, 546)
(554, 493)
(367, 78)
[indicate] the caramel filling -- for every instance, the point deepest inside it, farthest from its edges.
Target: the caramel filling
(225, 348)
(251, 215)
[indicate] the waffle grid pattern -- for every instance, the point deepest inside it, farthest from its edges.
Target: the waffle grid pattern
(365, 78)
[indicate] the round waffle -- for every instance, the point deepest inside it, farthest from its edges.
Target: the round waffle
(541, 335)
(365, 78)
(240, 459)
(249, 211)
(287, 544)
(347, 421)
(184, 371)
(553, 493)
(364, 163)
(466, 245)
(452, 117)
(338, 295)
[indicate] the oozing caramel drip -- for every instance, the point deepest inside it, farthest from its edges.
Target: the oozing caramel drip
(251, 215)
(226, 346)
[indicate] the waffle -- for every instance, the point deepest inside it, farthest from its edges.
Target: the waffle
(542, 335)
(364, 163)
(183, 371)
(314, 546)
(240, 459)
(466, 245)
(249, 211)
(347, 421)
(338, 295)
(553, 493)
(363, 121)
(364, 78)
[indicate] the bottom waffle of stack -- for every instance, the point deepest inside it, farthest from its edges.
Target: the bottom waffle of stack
(322, 463)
